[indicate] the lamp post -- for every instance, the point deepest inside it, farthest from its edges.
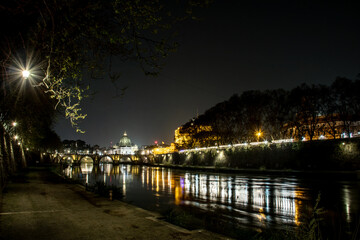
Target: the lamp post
(258, 135)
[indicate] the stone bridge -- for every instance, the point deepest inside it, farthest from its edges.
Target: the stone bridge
(95, 158)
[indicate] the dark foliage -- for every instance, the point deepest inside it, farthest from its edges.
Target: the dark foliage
(306, 110)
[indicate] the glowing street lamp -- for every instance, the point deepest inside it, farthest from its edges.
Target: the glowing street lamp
(16, 137)
(25, 74)
(14, 124)
(258, 135)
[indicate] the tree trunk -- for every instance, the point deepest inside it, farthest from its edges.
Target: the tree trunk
(6, 155)
(2, 167)
(23, 158)
(12, 156)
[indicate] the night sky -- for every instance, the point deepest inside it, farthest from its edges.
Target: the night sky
(234, 48)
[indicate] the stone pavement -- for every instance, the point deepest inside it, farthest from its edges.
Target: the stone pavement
(38, 204)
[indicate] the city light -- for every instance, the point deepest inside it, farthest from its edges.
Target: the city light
(258, 134)
(14, 124)
(28, 67)
(25, 74)
(16, 137)
(218, 148)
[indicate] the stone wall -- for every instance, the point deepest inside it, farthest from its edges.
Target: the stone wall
(339, 154)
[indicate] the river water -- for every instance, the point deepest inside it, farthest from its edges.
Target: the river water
(255, 201)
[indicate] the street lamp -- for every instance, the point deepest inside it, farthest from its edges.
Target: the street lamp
(25, 74)
(14, 124)
(258, 135)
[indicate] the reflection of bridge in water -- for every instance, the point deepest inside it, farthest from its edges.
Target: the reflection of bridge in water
(251, 201)
(96, 158)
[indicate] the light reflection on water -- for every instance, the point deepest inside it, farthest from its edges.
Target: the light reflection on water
(251, 200)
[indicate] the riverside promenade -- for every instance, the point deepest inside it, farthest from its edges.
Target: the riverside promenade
(38, 204)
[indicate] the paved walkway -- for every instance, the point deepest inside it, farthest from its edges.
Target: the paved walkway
(40, 205)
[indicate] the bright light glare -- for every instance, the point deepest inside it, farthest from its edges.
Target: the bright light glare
(25, 74)
(14, 124)
(26, 66)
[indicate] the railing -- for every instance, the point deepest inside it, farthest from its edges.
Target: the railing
(236, 145)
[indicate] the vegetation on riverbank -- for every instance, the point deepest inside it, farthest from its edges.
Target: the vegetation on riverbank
(308, 112)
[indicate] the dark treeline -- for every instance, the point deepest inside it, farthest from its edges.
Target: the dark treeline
(26, 116)
(307, 111)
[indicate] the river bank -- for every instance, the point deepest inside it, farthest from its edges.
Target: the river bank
(241, 204)
(322, 155)
(37, 204)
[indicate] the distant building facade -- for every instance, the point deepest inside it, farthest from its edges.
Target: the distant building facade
(164, 149)
(323, 127)
(189, 136)
(125, 146)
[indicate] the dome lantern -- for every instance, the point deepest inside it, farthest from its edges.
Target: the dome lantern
(125, 141)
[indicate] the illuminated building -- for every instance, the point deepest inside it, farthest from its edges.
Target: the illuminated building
(125, 146)
(193, 136)
(323, 127)
(164, 149)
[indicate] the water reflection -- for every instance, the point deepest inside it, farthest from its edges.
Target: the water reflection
(252, 200)
(86, 168)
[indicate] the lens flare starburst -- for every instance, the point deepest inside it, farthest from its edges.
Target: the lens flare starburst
(25, 69)
(26, 74)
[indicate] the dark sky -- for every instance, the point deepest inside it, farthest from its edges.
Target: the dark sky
(236, 47)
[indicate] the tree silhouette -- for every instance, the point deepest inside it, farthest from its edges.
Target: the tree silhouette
(69, 38)
(309, 111)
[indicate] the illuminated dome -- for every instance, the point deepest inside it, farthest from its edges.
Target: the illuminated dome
(125, 141)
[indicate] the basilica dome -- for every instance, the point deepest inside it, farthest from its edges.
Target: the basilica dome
(125, 141)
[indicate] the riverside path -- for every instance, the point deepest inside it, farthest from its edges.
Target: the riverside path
(38, 204)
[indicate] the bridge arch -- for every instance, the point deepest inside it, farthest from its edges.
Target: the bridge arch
(56, 158)
(67, 159)
(86, 159)
(106, 159)
(125, 159)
